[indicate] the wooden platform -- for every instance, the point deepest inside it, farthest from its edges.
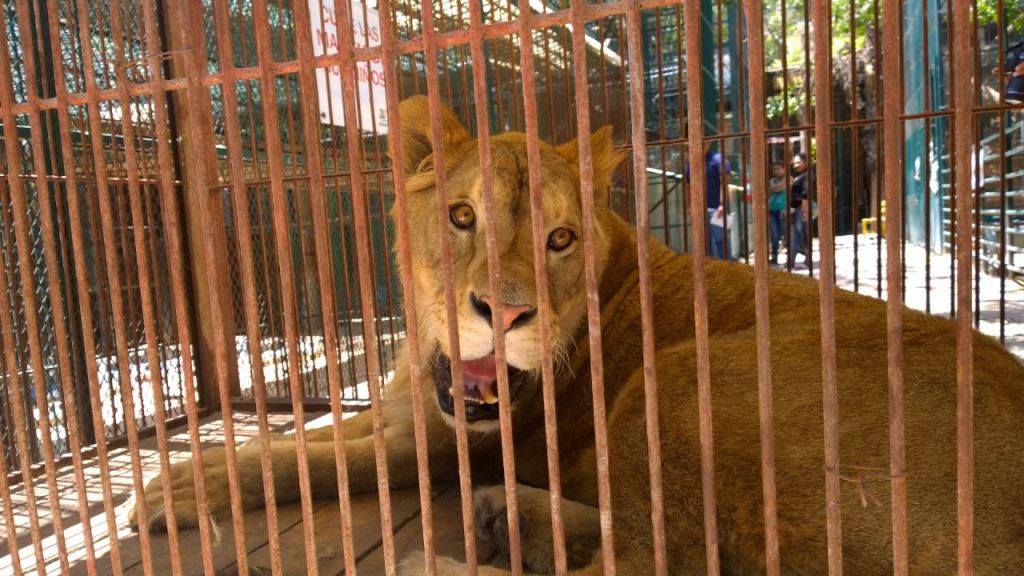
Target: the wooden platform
(327, 528)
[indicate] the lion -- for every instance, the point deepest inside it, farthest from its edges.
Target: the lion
(929, 380)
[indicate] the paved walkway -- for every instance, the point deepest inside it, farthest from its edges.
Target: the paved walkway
(928, 285)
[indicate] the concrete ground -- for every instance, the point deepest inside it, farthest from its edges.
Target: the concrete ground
(928, 285)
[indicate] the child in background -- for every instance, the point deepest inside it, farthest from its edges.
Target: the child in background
(776, 208)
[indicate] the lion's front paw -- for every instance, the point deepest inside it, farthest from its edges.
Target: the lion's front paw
(183, 493)
(491, 517)
(580, 523)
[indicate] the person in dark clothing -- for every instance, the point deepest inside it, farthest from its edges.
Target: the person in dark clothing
(799, 207)
(716, 180)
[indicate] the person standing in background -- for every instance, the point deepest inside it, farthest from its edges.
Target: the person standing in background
(799, 205)
(776, 208)
(716, 181)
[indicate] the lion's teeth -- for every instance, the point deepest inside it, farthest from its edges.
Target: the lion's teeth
(488, 395)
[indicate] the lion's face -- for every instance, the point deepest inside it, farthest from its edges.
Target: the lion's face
(465, 223)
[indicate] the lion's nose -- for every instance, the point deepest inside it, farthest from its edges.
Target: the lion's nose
(512, 315)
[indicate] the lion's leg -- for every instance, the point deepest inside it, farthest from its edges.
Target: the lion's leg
(359, 456)
(633, 564)
(581, 523)
(285, 470)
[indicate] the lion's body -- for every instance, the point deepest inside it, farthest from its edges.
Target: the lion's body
(930, 404)
(929, 378)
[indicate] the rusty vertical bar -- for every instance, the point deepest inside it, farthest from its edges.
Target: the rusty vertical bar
(440, 174)
(175, 248)
(148, 319)
(698, 212)
(88, 337)
(892, 132)
(61, 339)
(963, 98)
(854, 144)
(311, 130)
(1001, 51)
(643, 252)
(878, 178)
(111, 257)
(7, 321)
(754, 12)
(720, 130)
(18, 190)
(13, 368)
(365, 270)
(822, 20)
(540, 269)
(10, 532)
(275, 156)
(197, 168)
(232, 126)
(81, 267)
(388, 61)
(662, 133)
(482, 107)
(582, 89)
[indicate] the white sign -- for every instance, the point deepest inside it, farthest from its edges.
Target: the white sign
(370, 85)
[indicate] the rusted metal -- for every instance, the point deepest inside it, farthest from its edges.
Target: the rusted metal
(822, 17)
(20, 425)
(111, 258)
(582, 86)
(892, 132)
(240, 196)
(540, 270)
(311, 131)
(82, 283)
(10, 528)
(175, 249)
(196, 94)
(643, 239)
(430, 49)
(7, 321)
(405, 268)
(286, 283)
(964, 122)
(754, 12)
(44, 196)
(1002, 249)
(495, 283)
(698, 216)
(18, 191)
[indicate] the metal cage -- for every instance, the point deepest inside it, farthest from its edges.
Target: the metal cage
(197, 244)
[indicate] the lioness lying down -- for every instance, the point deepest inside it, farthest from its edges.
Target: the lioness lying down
(929, 375)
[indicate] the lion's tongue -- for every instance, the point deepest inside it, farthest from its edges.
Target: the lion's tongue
(479, 377)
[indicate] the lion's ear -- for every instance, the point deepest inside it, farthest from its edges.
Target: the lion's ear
(604, 158)
(414, 114)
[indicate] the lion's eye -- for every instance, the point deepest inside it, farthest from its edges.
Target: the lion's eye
(462, 215)
(560, 239)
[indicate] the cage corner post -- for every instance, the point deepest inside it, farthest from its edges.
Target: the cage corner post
(194, 202)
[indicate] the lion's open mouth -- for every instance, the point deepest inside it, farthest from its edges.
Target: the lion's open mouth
(480, 382)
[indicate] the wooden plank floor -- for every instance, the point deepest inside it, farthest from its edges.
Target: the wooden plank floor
(327, 527)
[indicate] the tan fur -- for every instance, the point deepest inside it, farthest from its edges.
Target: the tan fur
(929, 376)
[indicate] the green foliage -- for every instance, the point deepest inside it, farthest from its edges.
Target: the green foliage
(1013, 17)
